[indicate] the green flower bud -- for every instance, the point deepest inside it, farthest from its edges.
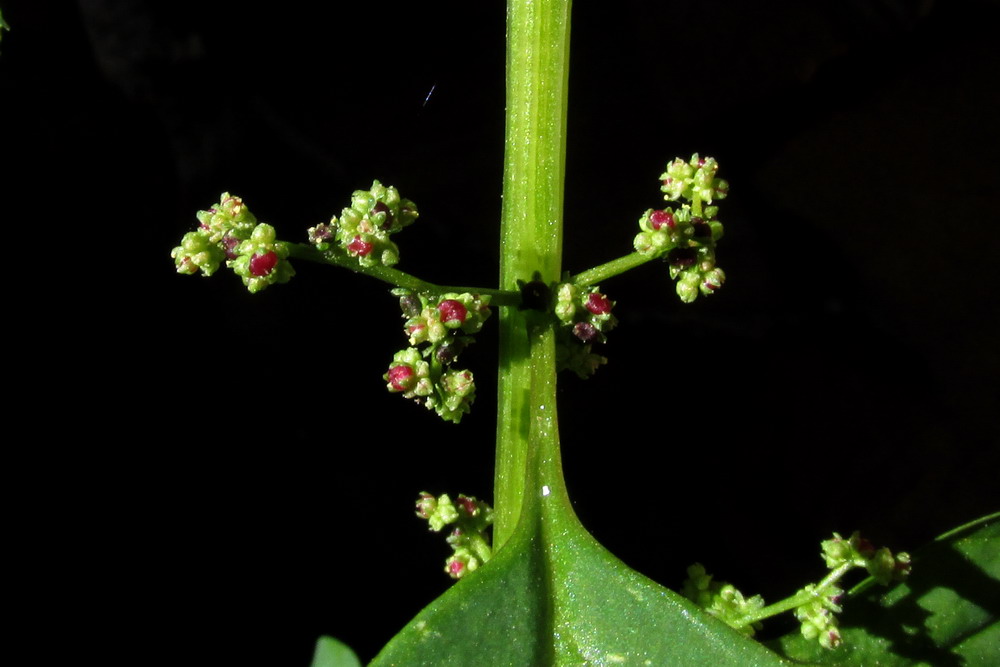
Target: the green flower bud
(197, 252)
(567, 296)
(688, 286)
(440, 513)
(722, 600)
(576, 356)
(363, 230)
(711, 280)
(885, 568)
(468, 538)
(229, 217)
(457, 391)
(426, 504)
(817, 615)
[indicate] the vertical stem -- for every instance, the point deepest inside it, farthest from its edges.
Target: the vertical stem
(531, 230)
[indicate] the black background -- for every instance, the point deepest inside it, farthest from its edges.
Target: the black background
(234, 460)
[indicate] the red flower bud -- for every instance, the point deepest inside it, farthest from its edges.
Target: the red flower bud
(467, 504)
(359, 247)
(598, 304)
(658, 219)
(452, 310)
(401, 378)
(261, 265)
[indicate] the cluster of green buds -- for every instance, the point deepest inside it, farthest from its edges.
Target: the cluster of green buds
(815, 606)
(468, 539)
(439, 327)
(722, 600)
(585, 315)
(857, 552)
(817, 614)
(230, 232)
(686, 236)
(364, 228)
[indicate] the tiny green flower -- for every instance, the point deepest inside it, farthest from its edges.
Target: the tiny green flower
(197, 252)
(261, 259)
(722, 600)
(468, 538)
(686, 235)
(585, 315)
(817, 616)
(230, 217)
(363, 229)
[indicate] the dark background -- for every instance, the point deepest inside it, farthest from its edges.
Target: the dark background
(234, 458)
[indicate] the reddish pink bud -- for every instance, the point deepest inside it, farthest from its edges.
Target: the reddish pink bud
(452, 310)
(598, 304)
(586, 332)
(455, 568)
(467, 504)
(359, 247)
(658, 219)
(229, 244)
(401, 378)
(425, 505)
(261, 265)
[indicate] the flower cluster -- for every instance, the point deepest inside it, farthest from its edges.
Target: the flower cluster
(585, 315)
(856, 551)
(721, 600)
(817, 615)
(815, 606)
(442, 325)
(468, 539)
(364, 228)
(229, 232)
(686, 236)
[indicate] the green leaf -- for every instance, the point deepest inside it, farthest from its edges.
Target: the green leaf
(332, 653)
(553, 596)
(945, 614)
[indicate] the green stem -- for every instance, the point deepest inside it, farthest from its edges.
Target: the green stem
(798, 599)
(609, 269)
(398, 278)
(531, 225)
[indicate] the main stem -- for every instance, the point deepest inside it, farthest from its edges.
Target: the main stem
(531, 227)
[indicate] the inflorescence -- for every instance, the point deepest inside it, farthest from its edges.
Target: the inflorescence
(815, 605)
(364, 228)
(439, 327)
(686, 236)
(440, 324)
(468, 538)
